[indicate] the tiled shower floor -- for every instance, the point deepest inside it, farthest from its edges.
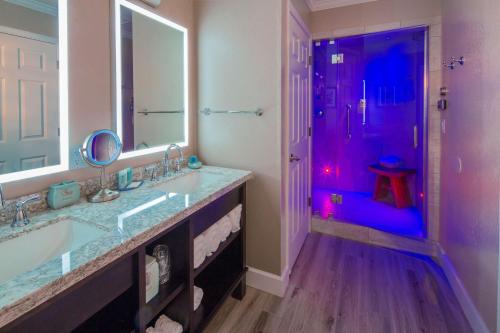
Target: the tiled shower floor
(361, 209)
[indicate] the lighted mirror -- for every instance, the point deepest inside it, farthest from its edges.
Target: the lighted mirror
(151, 80)
(33, 88)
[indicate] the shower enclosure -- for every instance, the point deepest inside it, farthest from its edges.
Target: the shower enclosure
(369, 106)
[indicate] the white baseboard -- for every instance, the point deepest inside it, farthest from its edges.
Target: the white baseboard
(475, 320)
(270, 283)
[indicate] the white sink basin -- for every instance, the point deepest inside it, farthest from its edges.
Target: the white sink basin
(189, 183)
(36, 247)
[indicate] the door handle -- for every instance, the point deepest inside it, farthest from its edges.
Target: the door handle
(415, 136)
(293, 158)
(349, 109)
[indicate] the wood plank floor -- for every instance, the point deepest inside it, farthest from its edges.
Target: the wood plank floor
(339, 285)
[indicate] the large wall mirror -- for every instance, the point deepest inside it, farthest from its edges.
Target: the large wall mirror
(151, 85)
(33, 88)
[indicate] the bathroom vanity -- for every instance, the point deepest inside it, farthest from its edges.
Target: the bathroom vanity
(98, 285)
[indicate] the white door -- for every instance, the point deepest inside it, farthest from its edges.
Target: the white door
(29, 104)
(299, 88)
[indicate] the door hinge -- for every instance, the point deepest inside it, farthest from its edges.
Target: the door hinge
(58, 131)
(310, 60)
(309, 131)
(309, 201)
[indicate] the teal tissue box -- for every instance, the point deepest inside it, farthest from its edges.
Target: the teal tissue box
(63, 194)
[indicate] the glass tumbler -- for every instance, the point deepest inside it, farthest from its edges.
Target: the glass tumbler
(162, 255)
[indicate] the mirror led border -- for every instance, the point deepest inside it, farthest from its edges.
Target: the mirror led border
(118, 76)
(63, 106)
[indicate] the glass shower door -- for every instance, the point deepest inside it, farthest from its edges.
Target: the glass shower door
(368, 105)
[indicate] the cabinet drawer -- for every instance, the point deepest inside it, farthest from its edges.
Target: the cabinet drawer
(66, 311)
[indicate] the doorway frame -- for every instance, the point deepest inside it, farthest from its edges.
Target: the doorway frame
(425, 116)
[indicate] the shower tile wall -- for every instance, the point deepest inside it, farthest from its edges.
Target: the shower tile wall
(434, 82)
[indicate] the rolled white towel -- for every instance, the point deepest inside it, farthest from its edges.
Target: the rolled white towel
(212, 238)
(200, 250)
(225, 227)
(197, 297)
(167, 325)
(235, 217)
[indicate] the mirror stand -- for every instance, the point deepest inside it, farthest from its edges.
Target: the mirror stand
(100, 149)
(104, 194)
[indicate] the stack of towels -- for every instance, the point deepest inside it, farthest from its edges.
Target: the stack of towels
(165, 325)
(208, 242)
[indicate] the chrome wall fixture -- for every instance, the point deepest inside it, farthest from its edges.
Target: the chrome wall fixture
(146, 112)
(207, 111)
(443, 102)
(452, 64)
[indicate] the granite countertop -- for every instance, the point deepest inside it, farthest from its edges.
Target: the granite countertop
(125, 223)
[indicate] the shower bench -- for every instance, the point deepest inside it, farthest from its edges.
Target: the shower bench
(395, 181)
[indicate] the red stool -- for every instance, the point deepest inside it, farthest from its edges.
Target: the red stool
(393, 180)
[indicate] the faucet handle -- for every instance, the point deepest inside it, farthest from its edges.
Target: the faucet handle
(21, 218)
(2, 197)
(153, 170)
(29, 199)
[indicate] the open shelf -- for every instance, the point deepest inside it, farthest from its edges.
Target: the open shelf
(214, 296)
(166, 294)
(219, 280)
(215, 255)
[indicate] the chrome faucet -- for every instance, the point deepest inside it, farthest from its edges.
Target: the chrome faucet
(21, 218)
(178, 161)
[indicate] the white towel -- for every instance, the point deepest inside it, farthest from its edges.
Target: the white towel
(200, 250)
(213, 238)
(165, 325)
(235, 217)
(225, 227)
(197, 297)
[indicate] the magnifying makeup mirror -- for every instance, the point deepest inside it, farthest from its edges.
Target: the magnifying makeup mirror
(100, 149)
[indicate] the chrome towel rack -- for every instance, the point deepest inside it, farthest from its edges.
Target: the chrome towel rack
(207, 111)
(147, 112)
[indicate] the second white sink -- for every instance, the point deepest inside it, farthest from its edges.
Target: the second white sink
(36, 247)
(189, 183)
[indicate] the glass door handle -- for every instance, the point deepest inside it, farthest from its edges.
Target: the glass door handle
(349, 110)
(415, 136)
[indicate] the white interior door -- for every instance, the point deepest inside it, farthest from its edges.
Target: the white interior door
(29, 104)
(299, 88)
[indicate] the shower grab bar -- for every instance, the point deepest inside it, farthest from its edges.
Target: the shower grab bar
(208, 111)
(349, 110)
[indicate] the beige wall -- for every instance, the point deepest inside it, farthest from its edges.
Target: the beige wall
(239, 68)
(378, 15)
(90, 82)
(22, 18)
(470, 198)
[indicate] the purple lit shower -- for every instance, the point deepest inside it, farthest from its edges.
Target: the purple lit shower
(368, 106)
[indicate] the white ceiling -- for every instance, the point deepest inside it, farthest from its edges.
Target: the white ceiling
(316, 5)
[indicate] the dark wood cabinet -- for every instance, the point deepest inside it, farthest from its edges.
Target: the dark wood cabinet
(114, 298)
